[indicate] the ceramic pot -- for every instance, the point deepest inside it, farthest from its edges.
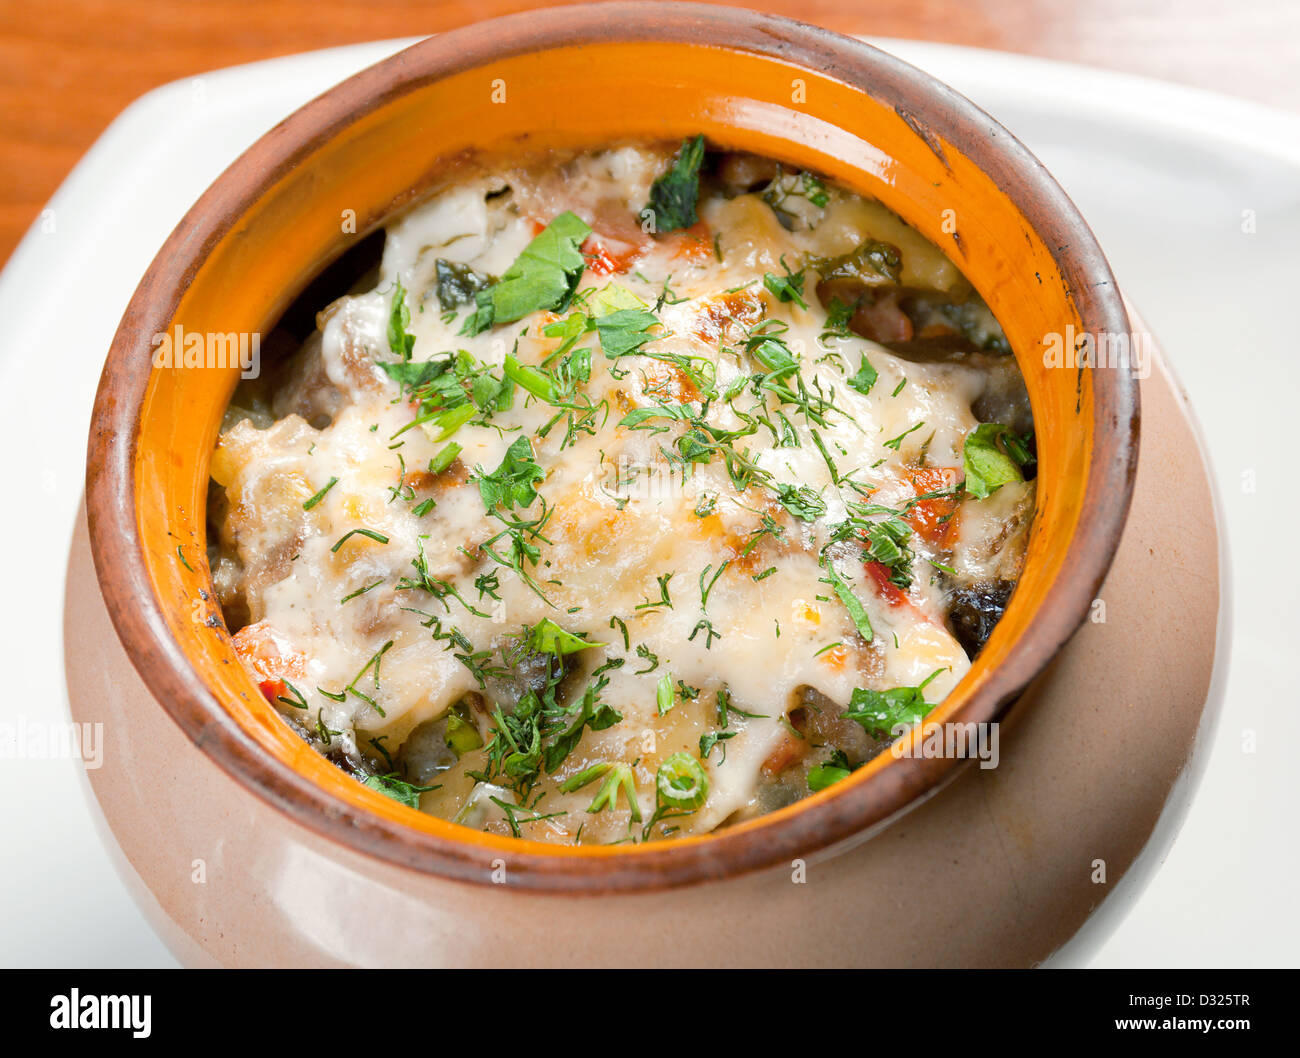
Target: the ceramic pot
(210, 781)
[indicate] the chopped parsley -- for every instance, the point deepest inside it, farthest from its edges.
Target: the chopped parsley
(787, 287)
(851, 602)
(370, 533)
(674, 195)
(397, 788)
(309, 504)
(399, 341)
(864, 379)
(881, 712)
(512, 483)
(716, 738)
(549, 638)
(458, 284)
(887, 543)
(829, 772)
(540, 732)
(992, 457)
(801, 501)
(543, 277)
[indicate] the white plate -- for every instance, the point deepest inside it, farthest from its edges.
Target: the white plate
(1196, 200)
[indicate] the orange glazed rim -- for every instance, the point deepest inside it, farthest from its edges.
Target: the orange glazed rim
(747, 80)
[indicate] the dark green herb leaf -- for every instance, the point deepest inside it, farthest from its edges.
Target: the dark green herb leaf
(309, 504)
(677, 412)
(876, 263)
(399, 341)
(715, 738)
(788, 287)
(593, 714)
(674, 195)
(411, 375)
(512, 483)
(801, 501)
(864, 379)
(851, 602)
(881, 712)
(457, 284)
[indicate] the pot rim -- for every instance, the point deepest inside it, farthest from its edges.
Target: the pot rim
(837, 816)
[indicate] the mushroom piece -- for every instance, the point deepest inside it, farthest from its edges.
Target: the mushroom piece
(974, 611)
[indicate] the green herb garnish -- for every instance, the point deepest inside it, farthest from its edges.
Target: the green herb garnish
(829, 772)
(549, 638)
(664, 694)
(620, 778)
(543, 277)
(444, 459)
(674, 195)
(378, 537)
(397, 788)
(681, 782)
(309, 504)
(512, 483)
(457, 284)
(992, 457)
(399, 341)
(882, 712)
(851, 602)
(787, 287)
(864, 379)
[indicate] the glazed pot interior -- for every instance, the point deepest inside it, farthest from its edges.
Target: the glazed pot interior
(336, 170)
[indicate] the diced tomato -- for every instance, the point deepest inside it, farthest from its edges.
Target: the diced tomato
(889, 591)
(599, 260)
(934, 520)
(695, 242)
(836, 656)
(263, 650)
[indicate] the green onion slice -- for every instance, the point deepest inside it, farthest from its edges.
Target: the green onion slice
(681, 782)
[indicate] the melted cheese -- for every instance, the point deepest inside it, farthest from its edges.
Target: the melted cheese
(621, 515)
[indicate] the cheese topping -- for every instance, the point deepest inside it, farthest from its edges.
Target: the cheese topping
(553, 550)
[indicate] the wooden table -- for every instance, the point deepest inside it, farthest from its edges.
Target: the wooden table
(68, 67)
